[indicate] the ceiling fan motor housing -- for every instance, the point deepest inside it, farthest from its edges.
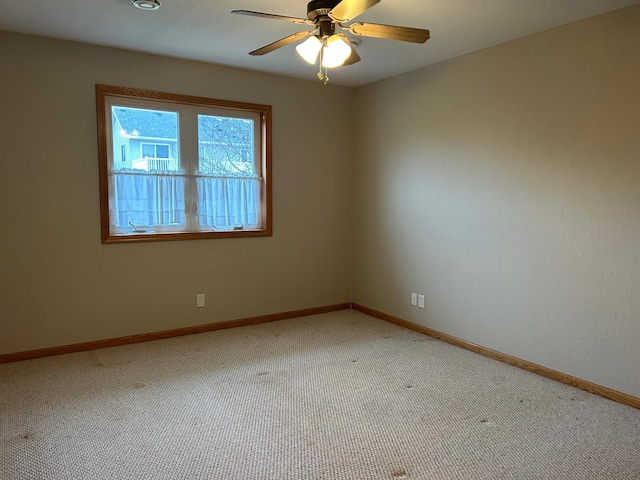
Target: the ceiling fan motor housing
(320, 8)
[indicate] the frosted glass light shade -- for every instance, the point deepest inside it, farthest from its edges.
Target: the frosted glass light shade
(309, 49)
(336, 52)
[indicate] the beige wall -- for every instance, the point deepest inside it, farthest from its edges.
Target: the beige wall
(505, 186)
(59, 285)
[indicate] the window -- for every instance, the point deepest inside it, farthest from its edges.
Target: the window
(177, 167)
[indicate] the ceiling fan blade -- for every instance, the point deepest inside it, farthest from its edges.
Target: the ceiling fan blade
(347, 10)
(282, 42)
(299, 21)
(405, 34)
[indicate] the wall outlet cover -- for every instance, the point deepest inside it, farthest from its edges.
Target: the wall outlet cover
(200, 300)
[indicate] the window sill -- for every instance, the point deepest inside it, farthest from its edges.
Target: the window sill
(171, 236)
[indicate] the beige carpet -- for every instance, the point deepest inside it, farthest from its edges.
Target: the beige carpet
(332, 396)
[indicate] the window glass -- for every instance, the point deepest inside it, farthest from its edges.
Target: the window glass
(225, 144)
(162, 151)
(148, 151)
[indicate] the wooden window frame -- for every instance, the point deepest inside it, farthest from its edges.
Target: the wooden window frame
(105, 92)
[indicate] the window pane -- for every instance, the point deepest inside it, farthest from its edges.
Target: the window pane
(148, 150)
(227, 202)
(226, 146)
(162, 151)
(150, 135)
(143, 202)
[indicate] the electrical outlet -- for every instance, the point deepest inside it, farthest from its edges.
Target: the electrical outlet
(200, 300)
(414, 298)
(421, 301)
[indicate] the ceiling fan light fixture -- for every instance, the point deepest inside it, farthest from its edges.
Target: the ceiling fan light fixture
(336, 51)
(309, 49)
(146, 4)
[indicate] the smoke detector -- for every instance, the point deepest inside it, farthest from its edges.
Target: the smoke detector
(146, 4)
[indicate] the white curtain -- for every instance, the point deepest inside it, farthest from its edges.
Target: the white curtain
(147, 199)
(226, 202)
(158, 199)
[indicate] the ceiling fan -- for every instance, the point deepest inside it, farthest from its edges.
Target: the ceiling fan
(334, 49)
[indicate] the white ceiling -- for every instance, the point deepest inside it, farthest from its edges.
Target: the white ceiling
(205, 30)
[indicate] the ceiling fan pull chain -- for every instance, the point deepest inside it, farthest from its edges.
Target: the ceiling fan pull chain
(320, 76)
(325, 77)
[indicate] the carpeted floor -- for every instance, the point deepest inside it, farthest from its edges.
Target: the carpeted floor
(332, 396)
